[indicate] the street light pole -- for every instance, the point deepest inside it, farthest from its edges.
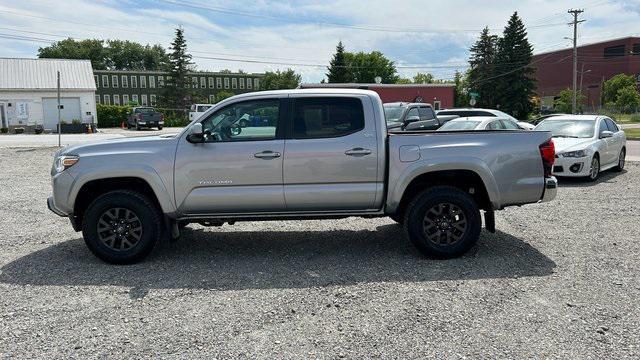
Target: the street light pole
(575, 23)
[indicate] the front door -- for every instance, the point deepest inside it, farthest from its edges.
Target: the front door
(239, 167)
(3, 118)
(331, 154)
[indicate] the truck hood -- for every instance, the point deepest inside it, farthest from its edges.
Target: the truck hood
(570, 144)
(119, 145)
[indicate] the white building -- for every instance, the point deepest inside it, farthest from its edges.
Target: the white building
(28, 94)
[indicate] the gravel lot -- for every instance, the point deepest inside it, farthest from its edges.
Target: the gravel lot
(559, 280)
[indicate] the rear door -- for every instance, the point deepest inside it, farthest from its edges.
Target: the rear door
(606, 145)
(331, 154)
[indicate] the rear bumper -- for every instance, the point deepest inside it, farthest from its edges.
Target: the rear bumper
(550, 189)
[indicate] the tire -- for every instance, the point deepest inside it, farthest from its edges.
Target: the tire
(159, 127)
(137, 126)
(128, 126)
(594, 171)
(117, 244)
(443, 222)
(397, 218)
(621, 160)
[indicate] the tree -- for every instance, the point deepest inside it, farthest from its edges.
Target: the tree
(514, 85)
(423, 78)
(278, 80)
(365, 67)
(612, 86)
(628, 99)
(223, 95)
(176, 92)
(564, 102)
(338, 71)
(402, 80)
(93, 50)
(481, 73)
(460, 91)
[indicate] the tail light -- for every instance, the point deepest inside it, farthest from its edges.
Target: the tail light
(548, 154)
(139, 116)
(161, 117)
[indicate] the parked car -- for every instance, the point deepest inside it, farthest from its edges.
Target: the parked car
(539, 119)
(479, 123)
(412, 116)
(144, 117)
(473, 112)
(585, 145)
(196, 110)
(326, 151)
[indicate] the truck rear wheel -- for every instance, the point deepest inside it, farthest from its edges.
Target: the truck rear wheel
(443, 222)
(122, 227)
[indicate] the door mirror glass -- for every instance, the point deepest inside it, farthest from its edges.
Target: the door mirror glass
(606, 134)
(196, 134)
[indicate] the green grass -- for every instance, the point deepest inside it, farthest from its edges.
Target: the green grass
(632, 134)
(626, 118)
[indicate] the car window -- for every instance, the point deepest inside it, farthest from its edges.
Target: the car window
(203, 108)
(412, 112)
(393, 113)
(248, 120)
(459, 125)
(510, 125)
(495, 125)
(603, 127)
(568, 128)
(144, 110)
(426, 113)
(611, 125)
(326, 117)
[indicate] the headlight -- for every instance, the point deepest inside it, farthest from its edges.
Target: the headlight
(64, 162)
(576, 154)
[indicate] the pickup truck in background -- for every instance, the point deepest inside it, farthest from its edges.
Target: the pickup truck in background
(413, 116)
(313, 154)
(144, 117)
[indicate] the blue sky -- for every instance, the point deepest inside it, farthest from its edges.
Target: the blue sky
(256, 36)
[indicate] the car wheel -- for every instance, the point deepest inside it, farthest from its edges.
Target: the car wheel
(122, 227)
(137, 126)
(443, 222)
(159, 127)
(595, 168)
(621, 160)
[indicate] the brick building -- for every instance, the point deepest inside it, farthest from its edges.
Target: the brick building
(142, 87)
(597, 63)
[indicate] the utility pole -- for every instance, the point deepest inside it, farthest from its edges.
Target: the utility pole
(575, 22)
(59, 117)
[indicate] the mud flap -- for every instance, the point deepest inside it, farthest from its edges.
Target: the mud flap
(490, 221)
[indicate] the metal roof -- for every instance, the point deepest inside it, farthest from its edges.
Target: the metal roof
(40, 74)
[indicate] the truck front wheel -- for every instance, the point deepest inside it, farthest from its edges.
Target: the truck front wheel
(122, 227)
(443, 222)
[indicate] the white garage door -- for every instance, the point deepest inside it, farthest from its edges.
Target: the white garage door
(70, 111)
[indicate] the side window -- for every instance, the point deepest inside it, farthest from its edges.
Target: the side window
(327, 117)
(603, 127)
(611, 125)
(426, 113)
(495, 125)
(249, 120)
(510, 125)
(412, 112)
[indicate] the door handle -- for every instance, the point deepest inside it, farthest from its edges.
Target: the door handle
(357, 152)
(267, 155)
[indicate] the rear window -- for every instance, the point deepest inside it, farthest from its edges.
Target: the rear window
(466, 113)
(393, 113)
(144, 110)
(459, 125)
(327, 117)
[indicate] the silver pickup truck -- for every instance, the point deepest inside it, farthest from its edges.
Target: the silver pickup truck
(297, 154)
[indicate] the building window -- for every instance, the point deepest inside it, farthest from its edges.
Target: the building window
(114, 81)
(143, 82)
(153, 100)
(256, 83)
(97, 99)
(212, 99)
(234, 83)
(107, 100)
(95, 78)
(105, 80)
(144, 100)
(134, 98)
(219, 83)
(194, 82)
(125, 81)
(203, 83)
(210, 82)
(248, 83)
(134, 81)
(116, 99)
(152, 81)
(241, 83)
(614, 51)
(160, 80)
(636, 49)
(226, 83)
(125, 99)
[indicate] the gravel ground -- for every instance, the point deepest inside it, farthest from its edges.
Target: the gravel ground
(558, 280)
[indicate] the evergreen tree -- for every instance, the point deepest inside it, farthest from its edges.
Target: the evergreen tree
(482, 69)
(514, 83)
(177, 91)
(338, 71)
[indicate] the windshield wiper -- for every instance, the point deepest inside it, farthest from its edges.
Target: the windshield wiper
(565, 136)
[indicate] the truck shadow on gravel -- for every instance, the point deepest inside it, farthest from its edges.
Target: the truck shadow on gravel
(236, 260)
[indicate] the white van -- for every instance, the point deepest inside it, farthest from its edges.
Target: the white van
(197, 110)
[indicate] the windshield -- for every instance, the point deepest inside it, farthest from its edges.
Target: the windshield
(568, 128)
(393, 113)
(144, 110)
(203, 108)
(466, 113)
(459, 125)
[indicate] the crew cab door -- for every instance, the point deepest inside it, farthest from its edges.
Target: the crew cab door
(238, 169)
(331, 154)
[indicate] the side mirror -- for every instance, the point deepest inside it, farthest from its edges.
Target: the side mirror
(196, 135)
(411, 119)
(606, 134)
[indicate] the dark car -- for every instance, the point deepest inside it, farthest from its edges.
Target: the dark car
(144, 117)
(412, 116)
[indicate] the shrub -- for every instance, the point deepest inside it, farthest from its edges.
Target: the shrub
(4, 130)
(628, 99)
(111, 115)
(76, 122)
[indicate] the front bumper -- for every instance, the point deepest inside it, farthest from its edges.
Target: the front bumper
(568, 166)
(550, 189)
(53, 208)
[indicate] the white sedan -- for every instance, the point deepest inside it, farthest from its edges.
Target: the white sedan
(478, 112)
(479, 123)
(585, 144)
